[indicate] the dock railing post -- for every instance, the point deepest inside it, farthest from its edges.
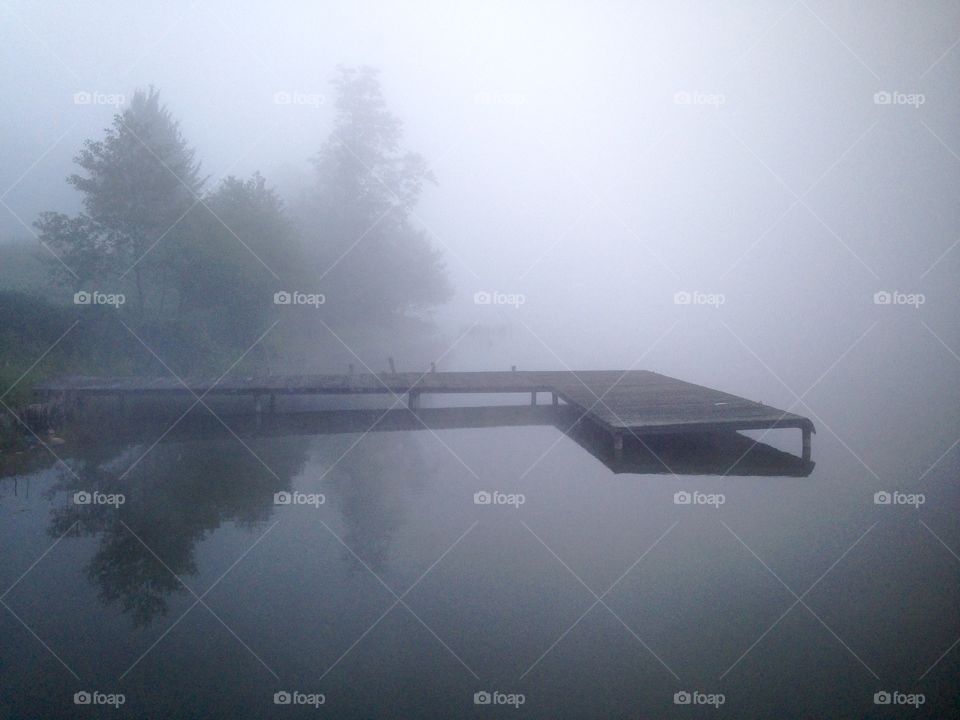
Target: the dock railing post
(413, 400)
(533, 398)
(393, 369)
(556, 399)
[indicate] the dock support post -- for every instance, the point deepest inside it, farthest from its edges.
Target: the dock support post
(413, 400)
(533, 399)
(618, 446)
(806, 444)
(556, 399)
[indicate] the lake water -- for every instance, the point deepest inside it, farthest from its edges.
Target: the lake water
(384, 589)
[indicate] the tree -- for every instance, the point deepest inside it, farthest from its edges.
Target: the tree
(373, 260)
(139, 182)
(232, 249)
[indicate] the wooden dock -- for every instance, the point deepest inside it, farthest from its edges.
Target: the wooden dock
(634, 403)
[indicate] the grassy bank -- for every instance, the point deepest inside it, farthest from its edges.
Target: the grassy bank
(40, 339)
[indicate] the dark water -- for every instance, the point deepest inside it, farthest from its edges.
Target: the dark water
(398, 596)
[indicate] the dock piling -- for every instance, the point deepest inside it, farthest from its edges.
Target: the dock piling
(618, 445)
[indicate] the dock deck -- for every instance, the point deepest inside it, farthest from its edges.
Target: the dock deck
(635, 402)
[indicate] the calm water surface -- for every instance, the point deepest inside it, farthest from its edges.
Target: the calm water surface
(399, 596)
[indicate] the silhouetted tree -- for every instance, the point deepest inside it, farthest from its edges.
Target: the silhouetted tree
(375, 260)
(139, 181)
(238, 248)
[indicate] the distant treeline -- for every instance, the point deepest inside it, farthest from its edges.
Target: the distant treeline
(165, 269)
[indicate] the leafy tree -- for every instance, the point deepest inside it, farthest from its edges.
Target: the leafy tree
(236, 248)
(373, 259)
(204, 265)
(139, 182)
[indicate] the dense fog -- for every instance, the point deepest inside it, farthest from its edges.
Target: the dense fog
(759, 197)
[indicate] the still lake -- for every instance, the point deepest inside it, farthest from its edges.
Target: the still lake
(362, 575)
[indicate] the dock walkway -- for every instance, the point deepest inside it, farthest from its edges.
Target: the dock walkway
(635, 402)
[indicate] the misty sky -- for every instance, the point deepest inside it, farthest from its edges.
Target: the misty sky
(595, 158)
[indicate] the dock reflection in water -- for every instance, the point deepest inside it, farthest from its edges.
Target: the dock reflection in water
(708, 453)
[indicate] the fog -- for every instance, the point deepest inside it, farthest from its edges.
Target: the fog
(571, 172)
(759, 197)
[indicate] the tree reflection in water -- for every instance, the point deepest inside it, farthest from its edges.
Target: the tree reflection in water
(371, 484)
(201, 477)
(174, 497)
